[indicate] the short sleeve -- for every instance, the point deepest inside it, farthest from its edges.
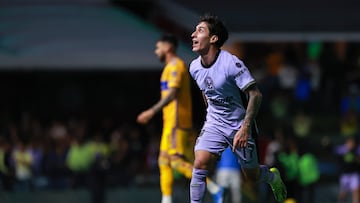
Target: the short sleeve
(240, 74)
(174, 76)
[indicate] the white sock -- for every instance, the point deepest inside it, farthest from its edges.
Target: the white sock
(166, 199)
(212, 186)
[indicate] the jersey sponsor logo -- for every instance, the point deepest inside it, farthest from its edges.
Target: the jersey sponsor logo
(221, 101)
(237, 64)
(240, 73)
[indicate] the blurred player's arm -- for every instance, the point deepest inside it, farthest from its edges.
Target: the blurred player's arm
(165, 101)
(146, 115)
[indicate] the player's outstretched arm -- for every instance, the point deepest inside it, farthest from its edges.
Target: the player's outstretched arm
(145, 116)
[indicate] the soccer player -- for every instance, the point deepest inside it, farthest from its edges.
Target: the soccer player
(230, 120)
(176, 106)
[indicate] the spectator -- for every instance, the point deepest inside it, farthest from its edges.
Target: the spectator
(309, 175)
(23, 160)
(349, 159)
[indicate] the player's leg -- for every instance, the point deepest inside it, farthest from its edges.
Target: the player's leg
(355, 187)
(230, 178)
(181, 157)
(199, 181)
(343, 188)
(207, 150)
(235, 187)
(179, 151)
(182, 166)
(166, 172)
(254, 173)
(356, 196)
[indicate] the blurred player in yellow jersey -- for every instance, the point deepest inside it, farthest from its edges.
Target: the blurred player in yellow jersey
(176, 106)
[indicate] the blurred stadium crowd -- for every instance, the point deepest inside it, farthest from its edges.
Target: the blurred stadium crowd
(63, 130)
(311, 105)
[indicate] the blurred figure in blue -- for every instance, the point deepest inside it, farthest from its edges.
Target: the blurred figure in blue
(228, 175)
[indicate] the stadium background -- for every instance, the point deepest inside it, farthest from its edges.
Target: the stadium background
(84, 69)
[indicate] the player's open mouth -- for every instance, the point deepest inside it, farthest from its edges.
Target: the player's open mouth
(195, 42)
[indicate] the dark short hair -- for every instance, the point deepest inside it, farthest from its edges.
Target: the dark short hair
(216, 27)
(170, 38)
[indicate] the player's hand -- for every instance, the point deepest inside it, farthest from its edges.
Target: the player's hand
(145, 116)
(241, 137)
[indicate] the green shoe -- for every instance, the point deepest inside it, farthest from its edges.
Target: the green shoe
(277, 186)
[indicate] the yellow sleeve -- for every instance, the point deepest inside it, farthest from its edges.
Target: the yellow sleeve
(175, 76)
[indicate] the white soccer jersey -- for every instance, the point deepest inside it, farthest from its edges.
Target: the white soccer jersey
(221, 83)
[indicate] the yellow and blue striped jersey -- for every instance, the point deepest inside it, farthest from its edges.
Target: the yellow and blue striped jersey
(178, 113)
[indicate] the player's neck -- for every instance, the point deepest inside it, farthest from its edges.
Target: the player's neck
(169, 58)
(209, 58)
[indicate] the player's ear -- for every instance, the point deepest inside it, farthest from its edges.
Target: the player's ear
(213, 39)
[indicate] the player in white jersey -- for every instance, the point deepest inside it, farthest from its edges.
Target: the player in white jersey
(230, 119)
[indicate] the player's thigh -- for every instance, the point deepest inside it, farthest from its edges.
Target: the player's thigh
(213, 142)
(179, 142)
(165, 140)
(248, 156)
